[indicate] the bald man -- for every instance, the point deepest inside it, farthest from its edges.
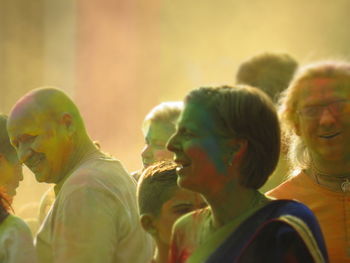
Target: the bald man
(94, 217)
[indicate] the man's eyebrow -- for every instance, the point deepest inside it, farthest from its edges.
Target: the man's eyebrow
(22, 137)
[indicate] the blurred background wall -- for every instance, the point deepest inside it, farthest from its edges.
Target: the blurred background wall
(119, 58)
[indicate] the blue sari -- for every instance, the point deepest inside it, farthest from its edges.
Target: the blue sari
(281, 231)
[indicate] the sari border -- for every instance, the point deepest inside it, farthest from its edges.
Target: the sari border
(306, 235)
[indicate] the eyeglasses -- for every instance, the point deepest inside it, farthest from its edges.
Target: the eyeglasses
(336, 108)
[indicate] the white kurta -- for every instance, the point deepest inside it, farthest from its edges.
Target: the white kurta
(94, 219)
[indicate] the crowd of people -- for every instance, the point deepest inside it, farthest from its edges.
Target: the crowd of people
(257, 171)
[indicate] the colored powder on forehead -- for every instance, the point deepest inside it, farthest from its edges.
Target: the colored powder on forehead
(340, 81)
(22, 106)
(200, 117)
(25, 115)
(322, 81)
(339, 85)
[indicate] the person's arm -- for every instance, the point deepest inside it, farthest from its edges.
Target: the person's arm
(17, 242)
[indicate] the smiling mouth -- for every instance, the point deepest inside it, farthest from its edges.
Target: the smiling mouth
(329, 136)
(181, 166)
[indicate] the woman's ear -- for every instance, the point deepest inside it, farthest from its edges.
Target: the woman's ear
(238, 148)
(148, 224)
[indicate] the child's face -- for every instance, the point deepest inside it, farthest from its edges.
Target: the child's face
(182, 202)
(10, 174)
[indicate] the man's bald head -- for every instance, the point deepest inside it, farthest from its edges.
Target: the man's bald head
(47, 130)
(48, 102)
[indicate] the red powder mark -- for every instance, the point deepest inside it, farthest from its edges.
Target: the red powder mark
(321, 81)
(177, 256)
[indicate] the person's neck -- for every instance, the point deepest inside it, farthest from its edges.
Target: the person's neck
(233, 202)
(162, 253)
(331, 167)
(333, 175)
(81, 152)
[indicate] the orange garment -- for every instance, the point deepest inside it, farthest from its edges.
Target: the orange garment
(332, 210)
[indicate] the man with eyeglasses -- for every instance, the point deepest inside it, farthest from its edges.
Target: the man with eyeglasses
(315, 113)
(336, 108)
